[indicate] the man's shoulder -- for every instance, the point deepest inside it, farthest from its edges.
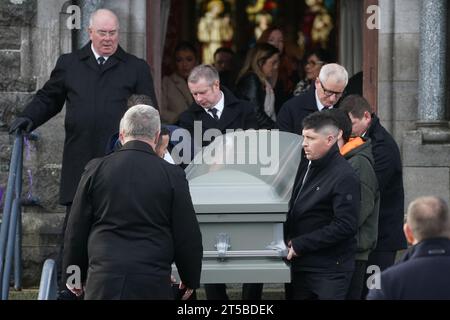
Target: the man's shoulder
(305, 102)
(343, 169)
(381, 139)
(94, 164)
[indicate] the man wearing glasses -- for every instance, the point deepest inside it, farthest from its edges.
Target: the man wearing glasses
(326, 92)
(94, 83)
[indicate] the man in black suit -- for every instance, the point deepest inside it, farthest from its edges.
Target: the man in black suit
(324, 94)
(94, 83)
(215, 106)
(323, 212)
(388, 169)
(423, 272)
(131, 218)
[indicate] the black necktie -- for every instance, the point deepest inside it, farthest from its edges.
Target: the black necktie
(101, 61)
(214, 113)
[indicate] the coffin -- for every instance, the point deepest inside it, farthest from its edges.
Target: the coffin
(240, 187)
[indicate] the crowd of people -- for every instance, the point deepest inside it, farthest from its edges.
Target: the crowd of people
(129, 213)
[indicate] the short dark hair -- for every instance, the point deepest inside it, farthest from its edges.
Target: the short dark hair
(343, 121)
(224, 50)
(136, 99)
(185, 46)
(322, 54)
(163, 132)
(356, 105)
(319, 120)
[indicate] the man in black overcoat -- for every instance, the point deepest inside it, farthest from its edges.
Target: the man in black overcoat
(388, 169)
(322, 218)
(94, 83)
(131, 218)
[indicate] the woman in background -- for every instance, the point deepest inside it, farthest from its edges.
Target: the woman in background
(314, 62)
(261, 64)
(176, 96)
(286, 77)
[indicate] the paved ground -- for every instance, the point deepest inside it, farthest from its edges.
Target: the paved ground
(270, 292)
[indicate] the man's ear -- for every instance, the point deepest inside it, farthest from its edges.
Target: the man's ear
(409, 234)
(157, 137)
(121, 137)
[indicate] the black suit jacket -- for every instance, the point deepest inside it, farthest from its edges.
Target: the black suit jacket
(323, 214)
(132, 216)
(388, 169)
(237, 114)
(296, 109)
(95, 102)
(422, 274)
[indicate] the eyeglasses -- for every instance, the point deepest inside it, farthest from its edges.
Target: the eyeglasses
(329, 93)
(104, 33)
(314, 63)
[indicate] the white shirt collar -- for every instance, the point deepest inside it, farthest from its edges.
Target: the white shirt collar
(219, 106)
(319, 104)
(97, 55)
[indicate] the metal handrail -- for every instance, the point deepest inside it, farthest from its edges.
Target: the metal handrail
(48, 288)
(10, 231)
(245, 254)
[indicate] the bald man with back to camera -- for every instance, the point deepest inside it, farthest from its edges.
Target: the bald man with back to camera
(423, 273)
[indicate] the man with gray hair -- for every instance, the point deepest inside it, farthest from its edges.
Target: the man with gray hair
(423, 272)
(131, 218)
(324, 94)
(215, 106)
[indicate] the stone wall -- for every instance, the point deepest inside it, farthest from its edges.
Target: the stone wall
(398, 65)
(426, 162)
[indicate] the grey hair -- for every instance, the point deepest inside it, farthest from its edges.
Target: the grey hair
(204, 71)
(94, 14)
(428, 217)
(335, 71)
(140, 121)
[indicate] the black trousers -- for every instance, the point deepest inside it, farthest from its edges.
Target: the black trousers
(382, 259)
(357, 282)
(320, 286)
(59, 259)
(218, 291)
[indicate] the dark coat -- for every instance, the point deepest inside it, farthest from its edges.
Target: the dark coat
(296, 109)
(237, 114)
(131, 218)
(322, 222)
(421, 275)
(250, 88)
(388, 168)
(95, 102)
